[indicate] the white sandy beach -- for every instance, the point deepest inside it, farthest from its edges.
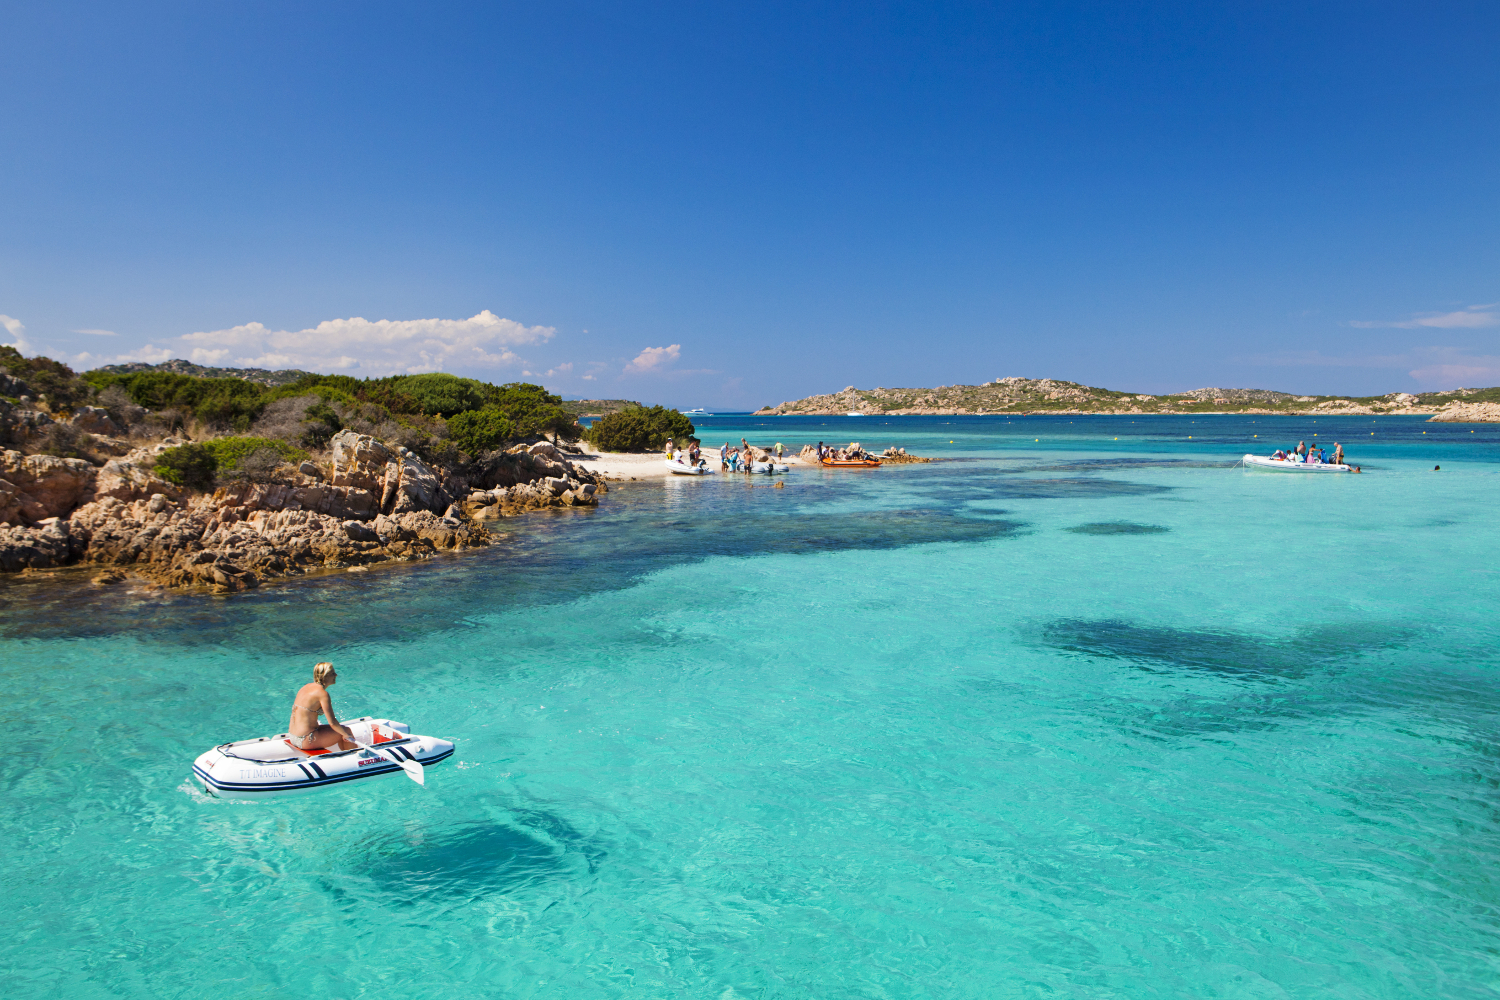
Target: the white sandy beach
(624, 465)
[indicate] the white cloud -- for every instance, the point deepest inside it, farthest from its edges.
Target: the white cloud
(368, 347)
(1464, 319)
(655, 359)
(16, 333)
(96, 333)
(562, 369)
(588, 378)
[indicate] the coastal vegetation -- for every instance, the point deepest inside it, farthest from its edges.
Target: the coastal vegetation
(1022, 396)
(640, 428)
(222, 481)
(198, 465)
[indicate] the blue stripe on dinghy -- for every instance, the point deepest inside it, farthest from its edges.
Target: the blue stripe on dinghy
(314, 765)
(282, 786)
(440, 757)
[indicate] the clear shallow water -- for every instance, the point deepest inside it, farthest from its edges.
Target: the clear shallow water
(904, 733)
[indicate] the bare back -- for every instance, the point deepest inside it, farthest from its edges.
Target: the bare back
(310, 702)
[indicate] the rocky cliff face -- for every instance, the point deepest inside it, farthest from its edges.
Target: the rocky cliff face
(383, 503)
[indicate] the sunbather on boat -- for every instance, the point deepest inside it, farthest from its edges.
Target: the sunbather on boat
(312, 701)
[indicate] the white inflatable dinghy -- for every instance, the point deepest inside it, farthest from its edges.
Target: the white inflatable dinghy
(770, 468)
(684, 469)
(1287, 465)
(273, 765)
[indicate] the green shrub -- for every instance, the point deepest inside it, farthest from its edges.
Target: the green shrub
(45, 378)
(533, 410)
(227, 451)
(222, 402)
(478, 431)
(440, 394)
(190, 465)
(644, 428)
(195, 465)
(322, 423)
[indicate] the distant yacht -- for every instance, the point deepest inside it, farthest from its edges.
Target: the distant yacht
(699, 412)
(854, 413)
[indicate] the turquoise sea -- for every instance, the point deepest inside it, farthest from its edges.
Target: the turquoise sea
(1086, 711)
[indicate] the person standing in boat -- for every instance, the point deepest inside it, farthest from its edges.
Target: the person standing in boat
(312, 701)
(1338, 453)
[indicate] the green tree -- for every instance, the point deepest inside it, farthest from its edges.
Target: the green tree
(479, 431)
(440, 394)
(534, 410)
(644, 428)
(190, 465)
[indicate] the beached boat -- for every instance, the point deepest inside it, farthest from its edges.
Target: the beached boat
(1286, 465)
(684, 469)
(851, 463)
(269, 766)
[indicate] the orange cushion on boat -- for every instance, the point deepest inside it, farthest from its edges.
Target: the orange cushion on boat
(311, 753)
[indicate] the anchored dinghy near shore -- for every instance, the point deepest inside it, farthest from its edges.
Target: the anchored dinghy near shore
(269, 766)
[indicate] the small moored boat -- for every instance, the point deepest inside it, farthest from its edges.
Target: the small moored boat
(769, 468)
(684, 469)
(851, 463)
(269, 766)
(1287, 465)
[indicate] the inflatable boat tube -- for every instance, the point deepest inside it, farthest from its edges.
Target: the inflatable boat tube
(269, 766)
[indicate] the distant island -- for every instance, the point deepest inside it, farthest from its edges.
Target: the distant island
(599, 407)
(1022, 396)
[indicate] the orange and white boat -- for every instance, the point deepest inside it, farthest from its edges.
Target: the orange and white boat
(850, 463)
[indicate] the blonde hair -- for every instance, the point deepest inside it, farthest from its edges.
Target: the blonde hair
(321, 671)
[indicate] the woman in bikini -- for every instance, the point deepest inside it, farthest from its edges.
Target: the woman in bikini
(312, 701)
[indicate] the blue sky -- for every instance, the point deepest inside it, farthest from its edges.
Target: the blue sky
(733, 205)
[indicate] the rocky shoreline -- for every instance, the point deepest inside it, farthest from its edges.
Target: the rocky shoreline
(371, 503)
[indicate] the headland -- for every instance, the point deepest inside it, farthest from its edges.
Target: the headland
(1022, 396)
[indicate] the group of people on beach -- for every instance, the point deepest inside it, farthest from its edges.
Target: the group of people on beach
(1313, 455)
(731, 459)
(743, 458)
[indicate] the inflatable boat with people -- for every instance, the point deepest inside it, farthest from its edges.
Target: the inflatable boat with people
(269, 766)
(1291, 465)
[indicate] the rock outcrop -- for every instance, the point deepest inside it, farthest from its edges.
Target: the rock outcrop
(235, 539)
(36, 487)
(380, 504)
(1468, 413)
